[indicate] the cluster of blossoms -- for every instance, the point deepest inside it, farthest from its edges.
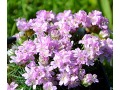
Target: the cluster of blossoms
(56, 51)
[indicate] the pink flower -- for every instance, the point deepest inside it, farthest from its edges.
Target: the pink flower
(49, 86)
(97, 19)
(24, 53)
(89, 79)
(12, 86)
(64, 15)
(22, 24)
(39, 26)
(104, 33)
(82, 18)
(45, 15)
(64, 78)
(81, 55)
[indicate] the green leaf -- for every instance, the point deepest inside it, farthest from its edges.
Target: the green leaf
(105, 6)
(13, 29)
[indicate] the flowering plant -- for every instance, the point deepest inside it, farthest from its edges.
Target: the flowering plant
(55, 49)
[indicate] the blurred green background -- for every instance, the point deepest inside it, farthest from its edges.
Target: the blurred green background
(28, 9)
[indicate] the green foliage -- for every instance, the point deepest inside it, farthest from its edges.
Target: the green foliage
(106, 8)
(14, 73)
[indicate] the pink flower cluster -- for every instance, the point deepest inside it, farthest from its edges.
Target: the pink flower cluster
(24, 53)
(53, 59)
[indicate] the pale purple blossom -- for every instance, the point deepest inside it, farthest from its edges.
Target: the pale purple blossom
(107, 48)
(92, 45)
(97, 19)
(81, 56)
(45, 15)
(38, 25)
(33, 75)
(81, 73)
(82, 18)
(64, 78)
(89, 79)
(24, 53)
(104, 34)
(63, 16)
(65, 43)
(63, 27)
(12, 86)
(43, 60)
(37, 75)
(31, 64)
(22, 24)
(42, 46)
(49, 86)
(55, 35)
